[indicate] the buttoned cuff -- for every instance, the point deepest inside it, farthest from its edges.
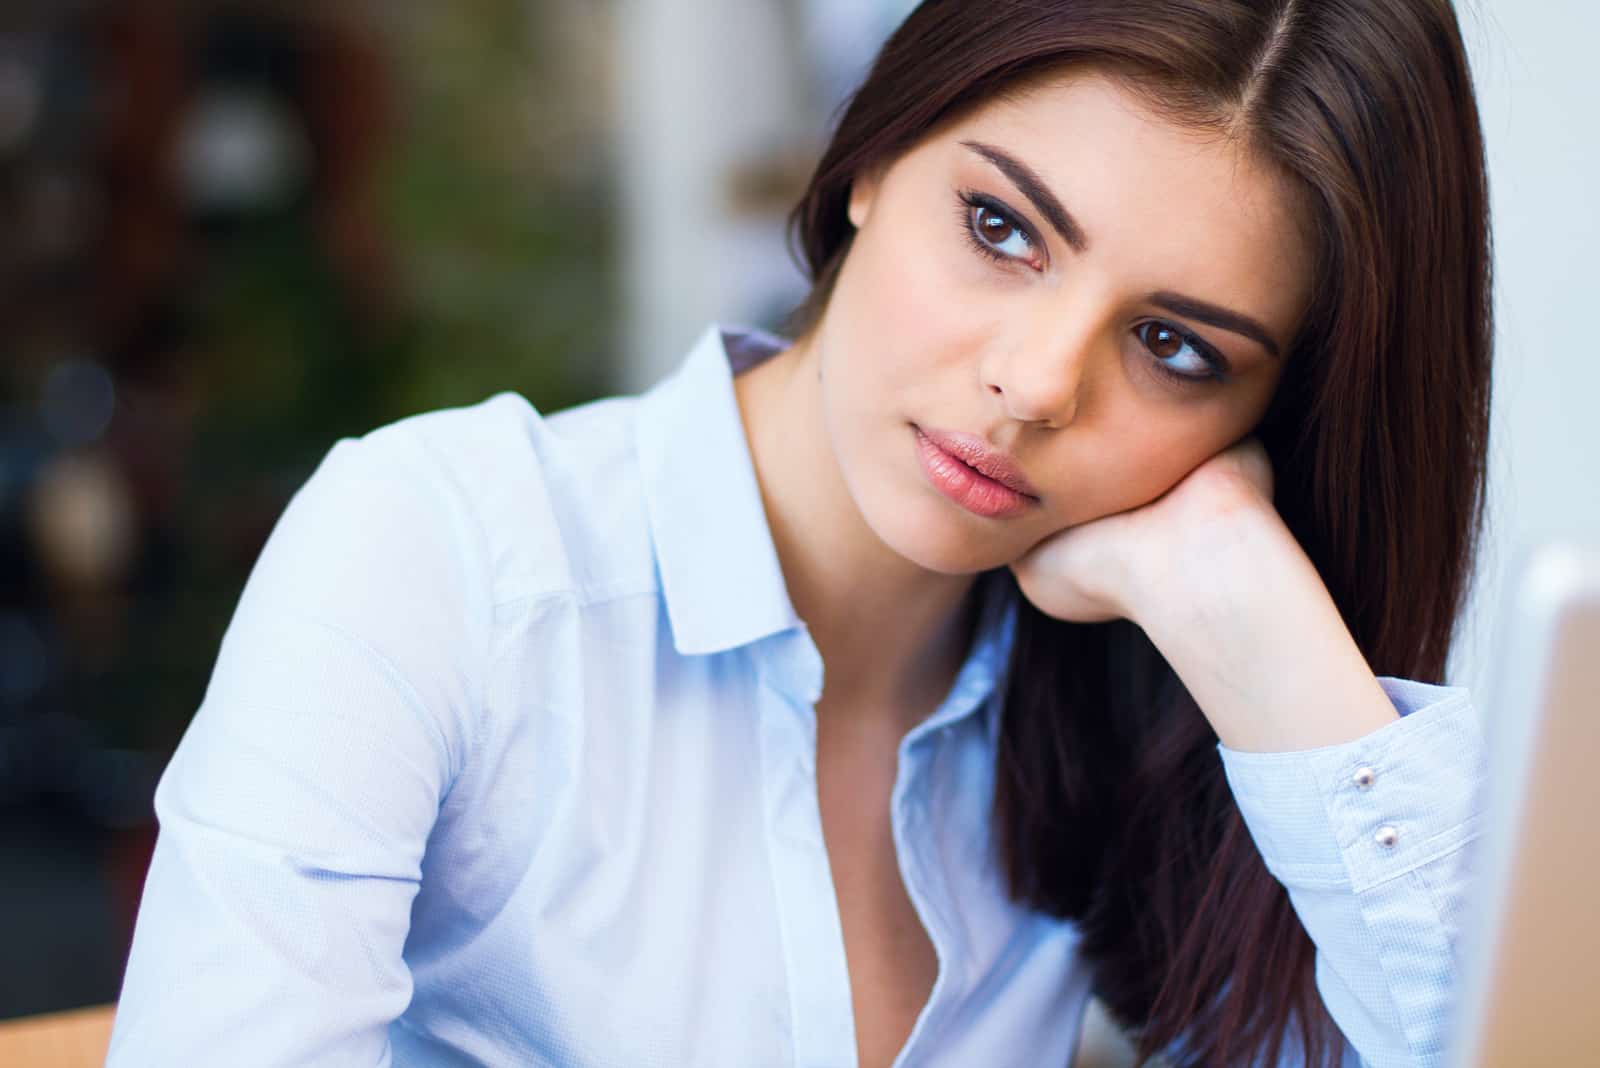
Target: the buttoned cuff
(1372, 809)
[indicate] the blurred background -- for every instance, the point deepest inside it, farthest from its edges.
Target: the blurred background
(233, 232)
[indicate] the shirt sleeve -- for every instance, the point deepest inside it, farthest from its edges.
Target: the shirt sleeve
(1373, 839)
(294, 812)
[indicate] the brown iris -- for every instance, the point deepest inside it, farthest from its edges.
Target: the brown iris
(994, 227)
(1163, 341)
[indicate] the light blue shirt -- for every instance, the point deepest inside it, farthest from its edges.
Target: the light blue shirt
(508, 758)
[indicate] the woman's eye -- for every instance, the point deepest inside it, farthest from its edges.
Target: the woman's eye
(1179, 353)
(995, 233)
(999, 232)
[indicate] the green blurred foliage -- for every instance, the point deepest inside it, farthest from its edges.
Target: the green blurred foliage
(503, 201)
(495, 203)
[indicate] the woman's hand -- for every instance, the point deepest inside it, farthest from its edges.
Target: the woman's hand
(1214, 577)
(1199, 530)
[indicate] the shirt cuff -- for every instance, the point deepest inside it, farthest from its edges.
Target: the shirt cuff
(1369, 810)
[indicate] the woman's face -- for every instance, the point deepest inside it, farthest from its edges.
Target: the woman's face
(1066, 278)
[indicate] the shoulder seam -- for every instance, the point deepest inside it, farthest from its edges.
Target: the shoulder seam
(480, 716)
(585, 598)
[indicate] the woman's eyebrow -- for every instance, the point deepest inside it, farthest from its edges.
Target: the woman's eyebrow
(1216, 315)
(1027, 180)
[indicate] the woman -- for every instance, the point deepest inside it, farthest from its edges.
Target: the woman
(1136, 420)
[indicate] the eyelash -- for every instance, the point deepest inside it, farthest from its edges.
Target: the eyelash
(969, 201)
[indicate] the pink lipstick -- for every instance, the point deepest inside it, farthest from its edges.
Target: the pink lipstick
(974, 474)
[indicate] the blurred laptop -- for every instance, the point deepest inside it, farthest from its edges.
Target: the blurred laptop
(1532, 992)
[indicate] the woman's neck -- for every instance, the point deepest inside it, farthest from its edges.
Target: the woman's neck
(891, 634)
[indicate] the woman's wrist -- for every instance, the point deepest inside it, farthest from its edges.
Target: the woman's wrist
(1249, 627)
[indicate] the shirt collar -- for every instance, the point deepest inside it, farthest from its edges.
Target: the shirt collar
(986, 669)
(719, 570)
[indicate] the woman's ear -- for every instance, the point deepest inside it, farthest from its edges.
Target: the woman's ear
(864, 193)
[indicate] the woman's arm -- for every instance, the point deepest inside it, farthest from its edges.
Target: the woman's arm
(295, 811)
(1216, 580)
(1362, 815)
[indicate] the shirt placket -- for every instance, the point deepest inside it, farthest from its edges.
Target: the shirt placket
(790, 673)
(913, 841)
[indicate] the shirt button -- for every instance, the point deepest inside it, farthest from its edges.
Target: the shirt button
(1387, 836)
(1363, 777)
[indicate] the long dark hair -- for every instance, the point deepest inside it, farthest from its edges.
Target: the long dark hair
(1111, 807)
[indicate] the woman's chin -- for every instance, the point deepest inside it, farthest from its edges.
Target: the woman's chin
(940, 538)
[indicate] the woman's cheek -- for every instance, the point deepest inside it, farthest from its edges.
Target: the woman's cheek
(1128, 467)
(914, 295)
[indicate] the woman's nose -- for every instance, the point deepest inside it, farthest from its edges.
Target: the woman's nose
(1041, 380)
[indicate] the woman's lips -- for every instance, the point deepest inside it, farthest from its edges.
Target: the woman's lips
(971, 473)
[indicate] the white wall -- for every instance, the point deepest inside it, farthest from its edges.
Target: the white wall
(713, 92)
(1535, 66)
(705, 85)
